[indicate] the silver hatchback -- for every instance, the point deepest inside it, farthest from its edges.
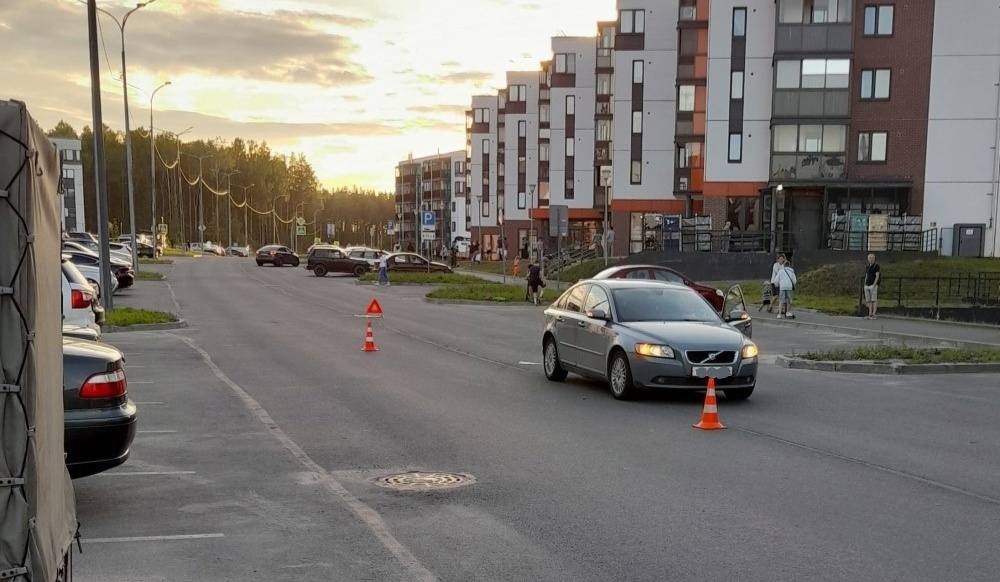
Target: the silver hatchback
(648, 335)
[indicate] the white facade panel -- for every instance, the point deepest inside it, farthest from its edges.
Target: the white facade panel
(963, 140)
(71, 157)
(513, 195)
(484, 214)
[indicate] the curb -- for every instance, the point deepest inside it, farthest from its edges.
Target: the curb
(179, 324)
(872, 333)
(897, 369)
(476, 302)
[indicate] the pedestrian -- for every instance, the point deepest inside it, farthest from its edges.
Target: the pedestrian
(784, 279)
(409, 247)
(383, 271)
(454, 255)
(524, 249)
(535, 282)
(727, 232)
(596, 238)
(609, 242)
(445, 253)
(873, 275)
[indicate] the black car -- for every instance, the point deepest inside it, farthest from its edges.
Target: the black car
(99, 418)
(276, 255)
(414, 263)
(122, 270)
(325, 259)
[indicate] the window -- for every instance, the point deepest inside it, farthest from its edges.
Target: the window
(570, 147)
(521, 201)
(486, 146)
(814, 11)
(878, 20)
(603, 84)
(735, 147)
(689, 155)
(632, 21)
(482, 115)
(522, 129)
(636, 174)
(739, 22)
(637, 122)
(685, 98)
(637, 68)
(809, 138)
(736, 85)
(543, 112)
(597, 299)
(543, 152)
(565, 63)
(603, 130)
(875, 83)
(570, 105)
(813, 74)
(518, 92)
(872, 146)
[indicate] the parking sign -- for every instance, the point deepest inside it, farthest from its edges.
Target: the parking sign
(427, 221)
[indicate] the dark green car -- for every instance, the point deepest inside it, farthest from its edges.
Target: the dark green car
(325, 259)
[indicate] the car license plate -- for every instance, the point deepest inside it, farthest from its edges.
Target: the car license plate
(717, 372)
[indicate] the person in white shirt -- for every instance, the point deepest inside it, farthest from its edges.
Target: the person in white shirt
(783, 277)
(383, 271)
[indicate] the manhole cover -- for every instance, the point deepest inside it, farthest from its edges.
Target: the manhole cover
(423, 481)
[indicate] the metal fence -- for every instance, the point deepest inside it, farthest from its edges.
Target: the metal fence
(957, 290)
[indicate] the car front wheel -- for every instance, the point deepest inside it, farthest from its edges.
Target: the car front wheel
(295, 262)
(320, 270)
(260, 263)
(620, 376)
(359, 270)
(738, 393)
(550, 361)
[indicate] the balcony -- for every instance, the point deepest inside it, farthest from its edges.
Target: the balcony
(813, 38)
(812, 102)
(808, 166)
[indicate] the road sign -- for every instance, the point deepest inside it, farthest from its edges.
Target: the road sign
(300, 221)
(331, 230)
(390, 225)
(161, 228)
(558, 220)
(374, 308)
(300, 230)
(316, 240)
(201, 228)
(427, 221)
(426, 236)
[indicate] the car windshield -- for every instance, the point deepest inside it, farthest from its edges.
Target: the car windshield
(661, 304)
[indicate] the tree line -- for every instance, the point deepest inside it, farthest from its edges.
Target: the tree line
(240, 187)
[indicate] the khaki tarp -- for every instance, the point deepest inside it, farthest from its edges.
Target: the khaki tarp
(37, 505)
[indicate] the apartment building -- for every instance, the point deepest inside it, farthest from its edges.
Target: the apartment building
(431, 183)
(843, 124)
(73, 207)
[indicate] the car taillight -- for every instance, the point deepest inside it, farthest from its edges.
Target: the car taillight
(106, 385)
(80, 299)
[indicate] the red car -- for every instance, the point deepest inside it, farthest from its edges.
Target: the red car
(657, 273)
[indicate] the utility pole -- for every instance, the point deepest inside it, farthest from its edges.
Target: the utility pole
(100, 163)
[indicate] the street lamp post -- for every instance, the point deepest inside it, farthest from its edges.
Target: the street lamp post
(229, 206)
(128, 133)
(180, 196)
(274, 218)
(246, 204)
(152, 166)
(201, 192)
(606, 178)
(295, 226)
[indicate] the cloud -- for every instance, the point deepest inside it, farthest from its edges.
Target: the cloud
(457, 78)
(442, 108)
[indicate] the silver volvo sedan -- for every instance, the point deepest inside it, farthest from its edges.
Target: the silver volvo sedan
(649, 335)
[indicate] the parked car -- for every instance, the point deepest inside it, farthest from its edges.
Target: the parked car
(659, 273)
(99, 418)
(276, 255)
(95, 249)
(366, 254)
(214, 249)
(93, 276)
(646, 335)
(80, 305)
(122, 270)
(323, 259)
(414, 263)
(79, 235)
(235, 251)
(146, 250)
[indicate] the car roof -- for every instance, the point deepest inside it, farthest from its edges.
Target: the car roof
(636, 284)
(611, 270)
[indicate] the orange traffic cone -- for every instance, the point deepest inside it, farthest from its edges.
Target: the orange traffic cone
(369, 340)
(710, 414)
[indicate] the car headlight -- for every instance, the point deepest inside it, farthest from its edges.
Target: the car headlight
(750, 351)
(654, 350)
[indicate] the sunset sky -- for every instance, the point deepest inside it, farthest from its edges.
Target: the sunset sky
(356, 85)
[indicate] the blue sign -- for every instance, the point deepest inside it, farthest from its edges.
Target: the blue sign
(389, 224)
(427, 218)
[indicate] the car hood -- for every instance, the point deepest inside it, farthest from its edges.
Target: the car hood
(689, 335)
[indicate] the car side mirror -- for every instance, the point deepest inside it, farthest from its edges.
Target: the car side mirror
(738, 315)
(598, 314)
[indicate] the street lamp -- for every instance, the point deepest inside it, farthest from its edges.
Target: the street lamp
(128, 133)
(201, 192)
(606, 179)
(295, 226)
(274, 218)
(152, 164)
(531, 222)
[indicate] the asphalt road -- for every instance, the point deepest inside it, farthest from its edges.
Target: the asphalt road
(266, 427)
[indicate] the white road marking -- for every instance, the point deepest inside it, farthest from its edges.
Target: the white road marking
(368, 516)
(146, 473)
(151, 538)
(155, 431)
(134, 382)
(150, 403)
(530, 363)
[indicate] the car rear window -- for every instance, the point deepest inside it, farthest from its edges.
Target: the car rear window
(73, 275)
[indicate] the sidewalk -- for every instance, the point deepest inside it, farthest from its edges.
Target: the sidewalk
(957, 334)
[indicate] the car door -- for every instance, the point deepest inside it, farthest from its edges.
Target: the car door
(418, 263)
(400, 263)
(568, 324)
(338, 262)
(736, 305)
(595, 335)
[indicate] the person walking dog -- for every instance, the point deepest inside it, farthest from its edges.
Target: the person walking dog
(873, 275)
